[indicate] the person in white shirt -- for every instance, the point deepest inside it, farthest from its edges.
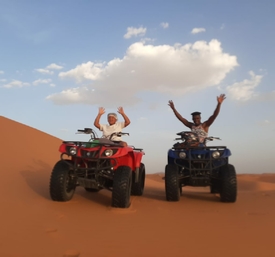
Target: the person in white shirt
(113, 126)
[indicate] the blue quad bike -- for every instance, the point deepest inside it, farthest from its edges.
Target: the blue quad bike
(193, 164)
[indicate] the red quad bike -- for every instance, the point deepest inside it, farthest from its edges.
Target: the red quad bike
(98, 164)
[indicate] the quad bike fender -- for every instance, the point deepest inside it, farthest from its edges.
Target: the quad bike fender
(172, 154)
(226, 153)
(132, 160)
(138, 157)
(63, 147)
(126, 160)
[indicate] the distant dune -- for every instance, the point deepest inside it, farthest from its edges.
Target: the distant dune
(199, 225)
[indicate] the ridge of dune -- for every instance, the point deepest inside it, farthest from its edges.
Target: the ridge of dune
(12, 126)
(24, 145)
(27, 158)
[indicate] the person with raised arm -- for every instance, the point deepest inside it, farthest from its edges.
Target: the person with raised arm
(198, 127)
(113, 126)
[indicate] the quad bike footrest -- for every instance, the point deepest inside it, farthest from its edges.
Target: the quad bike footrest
(87, 183)
(199, 181)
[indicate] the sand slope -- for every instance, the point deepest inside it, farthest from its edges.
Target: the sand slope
(32, 225)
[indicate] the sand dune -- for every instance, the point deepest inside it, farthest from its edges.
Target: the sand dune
(199, 225)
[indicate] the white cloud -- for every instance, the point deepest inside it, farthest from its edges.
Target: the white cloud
(16, 83)
(41, 81)
(197, 30)
(3, 80)
(166, 69)
(69, 96)
(84, 71)
(222, 26)
(44, 71)
(244, 90)
(165, 25)
(1, 72)
(52, 85)
(49, 68)
(147, 40)
(54, 66)
(131, 31)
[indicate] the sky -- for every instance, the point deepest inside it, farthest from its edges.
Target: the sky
(62, 60)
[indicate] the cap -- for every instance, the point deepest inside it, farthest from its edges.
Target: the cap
(112, 114)
(195, 113)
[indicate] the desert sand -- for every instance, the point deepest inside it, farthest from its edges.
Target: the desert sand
(199, 225)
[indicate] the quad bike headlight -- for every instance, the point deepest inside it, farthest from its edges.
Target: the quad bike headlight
(216, 154)
(73, 151)
(182, 155)
(108, 152)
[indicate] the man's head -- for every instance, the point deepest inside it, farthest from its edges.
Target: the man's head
(196, 118)
(112, 118)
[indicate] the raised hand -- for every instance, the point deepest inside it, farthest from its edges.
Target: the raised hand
(171, 104)
(101, 110)
(120, 110)
(221, 98)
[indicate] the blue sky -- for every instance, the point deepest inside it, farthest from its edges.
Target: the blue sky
(61, 60)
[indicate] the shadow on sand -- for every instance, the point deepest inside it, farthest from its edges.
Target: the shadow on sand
(37, 177)
(103, 197)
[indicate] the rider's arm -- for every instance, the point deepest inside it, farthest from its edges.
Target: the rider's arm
(211, 119)
(97, 119)
(96, 122)
(183, 120)
(125, 117)
(126, 120)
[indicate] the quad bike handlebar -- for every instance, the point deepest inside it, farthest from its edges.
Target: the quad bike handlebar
(192, 136)
(90, 131)
(118, 134)
(212, 138)
(85, 131)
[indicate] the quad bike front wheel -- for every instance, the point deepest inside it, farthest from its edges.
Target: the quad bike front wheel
(228, 192)
(138, 187)
(62, 184)
(122, 184)
(172, 187)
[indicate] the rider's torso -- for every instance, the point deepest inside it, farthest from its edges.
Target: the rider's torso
(199, 130)
(109, 129)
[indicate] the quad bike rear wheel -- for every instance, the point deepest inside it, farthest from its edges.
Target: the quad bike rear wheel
(138, 187)
(122, 187)
(62, 183)
(172, 187)
(228, 192)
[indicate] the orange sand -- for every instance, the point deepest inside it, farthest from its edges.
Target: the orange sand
(199, 225)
